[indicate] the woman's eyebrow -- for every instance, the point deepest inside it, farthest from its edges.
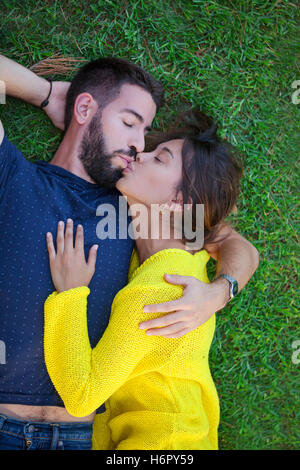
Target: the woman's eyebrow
(138, 116)
(168, 150)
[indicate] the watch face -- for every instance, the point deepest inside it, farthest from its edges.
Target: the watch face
(235, 288)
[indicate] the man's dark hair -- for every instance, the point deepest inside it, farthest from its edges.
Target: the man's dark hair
(103, 78)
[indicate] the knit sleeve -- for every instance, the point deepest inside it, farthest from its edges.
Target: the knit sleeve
(85, 377)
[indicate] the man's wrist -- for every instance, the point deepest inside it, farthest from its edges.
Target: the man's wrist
(41, 93)
(221, 292)
(22, 83)
(45, 102)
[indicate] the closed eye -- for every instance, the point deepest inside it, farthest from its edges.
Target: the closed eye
(158, 159)
(127, 125)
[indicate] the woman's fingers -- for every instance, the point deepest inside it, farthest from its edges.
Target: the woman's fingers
(79, 239)
(68, 246)
(64, 242)
(50, 246)
(60, 237)
(92, 257)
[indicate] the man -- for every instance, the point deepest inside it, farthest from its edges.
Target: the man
(106, 113)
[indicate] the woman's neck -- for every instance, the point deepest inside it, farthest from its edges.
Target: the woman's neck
(149, 244)
(149, 247)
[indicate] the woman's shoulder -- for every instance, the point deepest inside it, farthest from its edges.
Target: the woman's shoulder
(168, 261)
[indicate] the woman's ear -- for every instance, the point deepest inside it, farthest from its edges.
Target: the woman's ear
(178, 203)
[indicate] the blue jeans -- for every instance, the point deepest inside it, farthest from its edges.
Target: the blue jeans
(16, 434)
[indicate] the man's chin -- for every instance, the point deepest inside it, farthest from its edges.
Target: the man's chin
(109, 181)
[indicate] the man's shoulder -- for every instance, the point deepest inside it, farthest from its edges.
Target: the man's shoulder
(6, 146)
(10, 155)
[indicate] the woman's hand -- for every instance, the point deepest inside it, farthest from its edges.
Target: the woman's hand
(68, 266)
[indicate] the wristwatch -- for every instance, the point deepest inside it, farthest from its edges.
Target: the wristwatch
(233, 287)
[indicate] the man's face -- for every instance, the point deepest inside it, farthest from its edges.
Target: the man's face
(116, 134)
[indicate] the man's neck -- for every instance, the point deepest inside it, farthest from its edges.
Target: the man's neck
(66, 156)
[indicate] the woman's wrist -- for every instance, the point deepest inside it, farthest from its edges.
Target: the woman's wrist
(74, 289)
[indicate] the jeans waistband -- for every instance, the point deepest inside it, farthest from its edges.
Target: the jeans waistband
(72, 431)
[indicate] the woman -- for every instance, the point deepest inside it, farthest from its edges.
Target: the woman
(158, 391)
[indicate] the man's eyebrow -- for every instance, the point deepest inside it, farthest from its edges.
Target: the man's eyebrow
(168, 150)
(138, 116)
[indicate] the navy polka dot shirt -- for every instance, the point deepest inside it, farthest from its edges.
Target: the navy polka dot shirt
(33, 198)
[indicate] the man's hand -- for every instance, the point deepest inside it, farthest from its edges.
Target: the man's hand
(197, 304)
(55, 109)
(236, 257)
(68, 266)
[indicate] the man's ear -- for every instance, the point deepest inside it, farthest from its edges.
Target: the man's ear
(85, 108)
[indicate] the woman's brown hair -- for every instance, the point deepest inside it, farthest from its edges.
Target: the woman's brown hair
(211, 170)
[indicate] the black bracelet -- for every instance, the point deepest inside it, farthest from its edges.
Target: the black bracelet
(46, 101)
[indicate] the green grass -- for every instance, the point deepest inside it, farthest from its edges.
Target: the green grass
(237, 60)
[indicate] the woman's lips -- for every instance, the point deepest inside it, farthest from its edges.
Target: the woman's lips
(128, 169)
(125, 161)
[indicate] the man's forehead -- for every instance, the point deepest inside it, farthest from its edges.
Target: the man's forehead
(129, 91)
(133, 97)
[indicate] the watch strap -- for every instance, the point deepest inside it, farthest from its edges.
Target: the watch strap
(233, 289)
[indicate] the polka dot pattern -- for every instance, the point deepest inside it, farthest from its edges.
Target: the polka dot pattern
(33, 198)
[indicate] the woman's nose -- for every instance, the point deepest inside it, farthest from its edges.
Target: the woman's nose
(139, 157)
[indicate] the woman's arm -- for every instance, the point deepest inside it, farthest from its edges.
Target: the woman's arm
(86, 377)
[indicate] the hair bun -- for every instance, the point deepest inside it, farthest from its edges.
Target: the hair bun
(208, 136)
(203, 129)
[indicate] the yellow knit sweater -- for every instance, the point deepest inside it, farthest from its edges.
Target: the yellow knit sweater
(158, 392)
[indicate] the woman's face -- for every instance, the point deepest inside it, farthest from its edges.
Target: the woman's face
(154, 176)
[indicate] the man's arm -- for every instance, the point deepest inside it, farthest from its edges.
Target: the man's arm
(22, 83)
(236, 257)
(26, 85)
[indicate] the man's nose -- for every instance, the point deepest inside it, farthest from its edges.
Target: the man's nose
(138, 142)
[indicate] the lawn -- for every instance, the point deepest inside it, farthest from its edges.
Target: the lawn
(237, 60)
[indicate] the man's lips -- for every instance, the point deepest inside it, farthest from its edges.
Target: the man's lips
(125, 160)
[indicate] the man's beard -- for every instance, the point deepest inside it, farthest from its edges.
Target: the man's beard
(94, 157)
